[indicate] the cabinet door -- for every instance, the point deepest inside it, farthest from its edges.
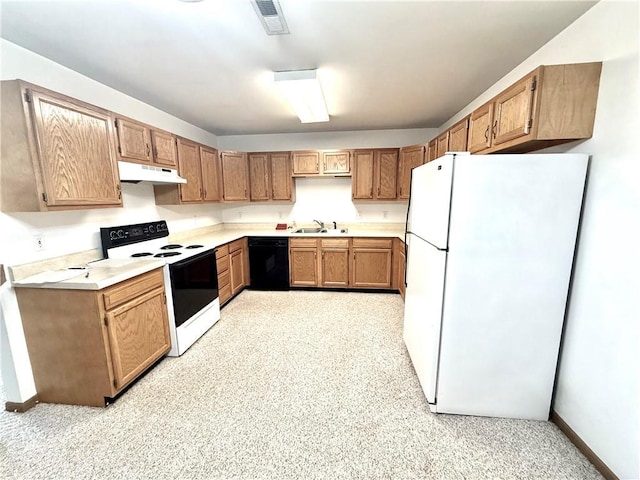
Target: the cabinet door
(336, 162)
(259, 177)
(303, 266)
(134, 141)
(386, 174)
(236, 267)
(442, 144)
(371, 268)
(211, 178)
(432, 150)
(189, 168)
(235, 177)
(480, 128)
(306, 163)
(76, 147)
(281, 179)
(458, 136)
(335, 267)
(164, 148)
(362, 179)
(512, 111)
(138, 335)
(410, 157)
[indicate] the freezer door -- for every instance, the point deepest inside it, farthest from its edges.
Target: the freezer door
(423, 310)
(430, 201)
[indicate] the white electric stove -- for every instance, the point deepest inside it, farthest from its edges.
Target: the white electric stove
(191, 279)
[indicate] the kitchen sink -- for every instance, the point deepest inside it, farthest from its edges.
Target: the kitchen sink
(310, 230)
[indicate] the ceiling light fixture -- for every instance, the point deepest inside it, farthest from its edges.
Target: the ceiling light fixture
(302, 90)
(271, 17)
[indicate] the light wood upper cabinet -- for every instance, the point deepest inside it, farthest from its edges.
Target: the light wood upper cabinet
(134, 141)
(306, 163)
(164, 148)
(211, 175)
(432, 150)
(553, 104)
(336, 163)
(374, 175)
(259, 176)
(442, 144)
(410, 157)
(458, 136)
(480, 123)
(282, 186)
(235, 177)
(57, 153)
(190, 169)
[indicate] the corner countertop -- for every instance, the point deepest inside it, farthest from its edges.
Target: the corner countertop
(98, 274)
(94, 276)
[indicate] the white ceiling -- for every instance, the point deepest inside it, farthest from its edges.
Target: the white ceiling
(382, 64)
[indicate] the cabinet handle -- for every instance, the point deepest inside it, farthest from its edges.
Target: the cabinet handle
(486, 133)
(324, 165)
(378, 191)
(148, 150)
(205, 193)
(200, 192)
(494, 128)
(317, 165)
(119, 192)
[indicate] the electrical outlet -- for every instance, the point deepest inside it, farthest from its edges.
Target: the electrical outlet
(385, 214)
(38, 242)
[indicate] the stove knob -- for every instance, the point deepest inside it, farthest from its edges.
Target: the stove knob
(152, 229)
(120, 233)
(113, 235)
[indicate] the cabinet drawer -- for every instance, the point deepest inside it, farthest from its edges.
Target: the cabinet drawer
(223, 279)
(222, 251)
(372, 242)
(335, 242)
(129, 289)
(224, 293)
(236, 245)
(222, 264)
(303, 242)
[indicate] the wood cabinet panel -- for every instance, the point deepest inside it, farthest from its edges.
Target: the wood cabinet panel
(235, 177)
(76, 151)
(222, 264)
(480, 123)
(224, 293)
(125, 291)
(164, 148)
(236, 267)
(362, 242)
(386, 174)
(442, 144)
(371, 268)
(458, 136)
(362, 179)
(432, 150)
(138, 335)
(134, 140)
(303, 266)
(334, 267)
(306, 163)
(189, 168)
(259, 176)
(336, 162)
(282, 186)
(211, 175)
(512, 111)
(410, 157)
(235, 245)
(222, 251)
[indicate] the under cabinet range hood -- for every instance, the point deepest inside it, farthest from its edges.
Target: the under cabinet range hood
(136, 173)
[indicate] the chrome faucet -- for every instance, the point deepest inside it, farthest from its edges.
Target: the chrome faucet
(319, 223)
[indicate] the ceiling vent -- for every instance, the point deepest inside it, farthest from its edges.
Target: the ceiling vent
(270, 14)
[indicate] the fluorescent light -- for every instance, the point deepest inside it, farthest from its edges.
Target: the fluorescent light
(302, 90)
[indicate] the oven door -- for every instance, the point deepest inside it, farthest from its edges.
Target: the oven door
(194, 285)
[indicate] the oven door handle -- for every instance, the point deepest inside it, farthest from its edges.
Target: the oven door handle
(195, 258)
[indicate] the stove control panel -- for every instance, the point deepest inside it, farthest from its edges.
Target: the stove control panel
(111, 237)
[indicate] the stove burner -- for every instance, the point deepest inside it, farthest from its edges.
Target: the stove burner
(167, 254)
(171, 246)
(194, 246)
(142, 254)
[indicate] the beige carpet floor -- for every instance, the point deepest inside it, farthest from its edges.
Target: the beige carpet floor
(288, 385)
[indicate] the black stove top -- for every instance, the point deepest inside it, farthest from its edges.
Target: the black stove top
(171, 246)
(142, 254)
(194, 246)
(167, 254)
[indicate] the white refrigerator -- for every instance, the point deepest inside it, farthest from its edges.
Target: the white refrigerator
(490, 248)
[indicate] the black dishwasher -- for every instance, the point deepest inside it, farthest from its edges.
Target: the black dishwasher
(269, 263)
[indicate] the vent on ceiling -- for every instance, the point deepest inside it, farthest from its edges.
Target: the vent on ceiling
(270, 15)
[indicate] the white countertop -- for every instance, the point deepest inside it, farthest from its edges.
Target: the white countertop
(104, 273)
(96, 276)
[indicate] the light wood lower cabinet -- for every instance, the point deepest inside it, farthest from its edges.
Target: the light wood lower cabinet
(232, 262)
(85, 346)
(371, 262)
(399, 266)
(334, 262)
(303, 262)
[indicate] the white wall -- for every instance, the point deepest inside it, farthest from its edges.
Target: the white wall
(597, 388)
